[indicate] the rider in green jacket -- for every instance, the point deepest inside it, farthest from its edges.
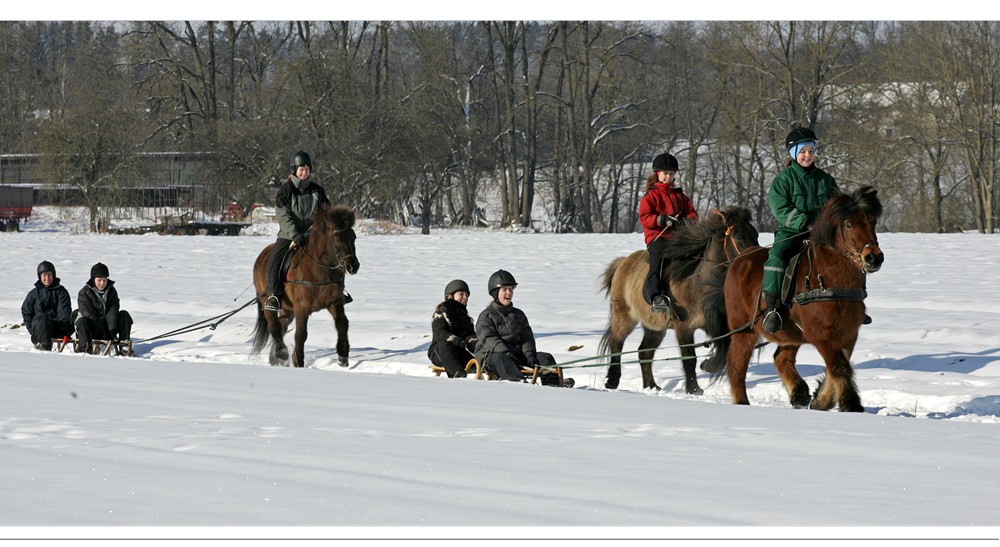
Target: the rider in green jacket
(796, 197)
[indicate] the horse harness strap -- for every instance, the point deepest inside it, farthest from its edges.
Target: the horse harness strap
(821, 294)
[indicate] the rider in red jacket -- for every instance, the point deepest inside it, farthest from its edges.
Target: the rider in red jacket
(661, 210)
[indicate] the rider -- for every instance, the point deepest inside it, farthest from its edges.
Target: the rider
(506, 343)
(453, 334)
(47, 309)
(797, 195)
(661, 210)
(100, 314)
(297, 200)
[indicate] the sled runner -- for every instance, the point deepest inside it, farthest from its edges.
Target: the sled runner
(536, 373)
(97, 347)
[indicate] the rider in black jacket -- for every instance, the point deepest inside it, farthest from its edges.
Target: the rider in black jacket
(47, 310)
(100, 315)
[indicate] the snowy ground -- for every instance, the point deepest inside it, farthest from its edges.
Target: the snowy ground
(193, 432)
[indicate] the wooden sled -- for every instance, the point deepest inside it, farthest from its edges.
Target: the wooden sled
(97, 347)
(535, 373)
(471, 366)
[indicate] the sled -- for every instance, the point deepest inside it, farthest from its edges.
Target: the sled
(535, 373)
(97, 347)
(471, 366)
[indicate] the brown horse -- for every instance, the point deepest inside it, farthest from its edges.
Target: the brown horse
(829, 288)
(697, 252)
(315, 281)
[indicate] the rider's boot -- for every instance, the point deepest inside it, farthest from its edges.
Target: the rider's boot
(772, 318)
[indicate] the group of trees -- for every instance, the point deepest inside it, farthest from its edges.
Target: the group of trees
(551, 122)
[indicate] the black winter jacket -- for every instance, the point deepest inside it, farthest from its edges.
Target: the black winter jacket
(295, 205)
(503, 329)
(451, 319)
(102, 309)
(54, 300)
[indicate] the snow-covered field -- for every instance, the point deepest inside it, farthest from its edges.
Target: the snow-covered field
(194, 432)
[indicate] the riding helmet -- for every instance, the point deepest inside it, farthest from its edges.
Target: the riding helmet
(300, 159)
(665, 162)
(99, 270)
(46, 266)
(455, 286)
(800, 134)
(501, 278)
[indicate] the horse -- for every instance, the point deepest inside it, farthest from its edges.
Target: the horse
(697, 252)
(828, 308)
(315, 281)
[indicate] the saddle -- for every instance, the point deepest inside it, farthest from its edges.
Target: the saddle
(810, 295)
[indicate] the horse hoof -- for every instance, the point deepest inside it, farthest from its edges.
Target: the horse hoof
(694, 390)
(610, 385)
(342, 361)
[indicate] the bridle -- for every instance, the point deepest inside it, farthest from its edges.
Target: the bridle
(340, 262)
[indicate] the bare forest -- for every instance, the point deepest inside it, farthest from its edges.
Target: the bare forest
(547, 125)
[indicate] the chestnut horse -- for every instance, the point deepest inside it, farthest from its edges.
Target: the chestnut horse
(828, 308)
(315, 281)
(697, 252)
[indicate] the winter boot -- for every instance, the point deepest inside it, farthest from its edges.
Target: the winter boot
(772, 319)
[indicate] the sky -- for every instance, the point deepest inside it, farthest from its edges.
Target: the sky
(194, 437)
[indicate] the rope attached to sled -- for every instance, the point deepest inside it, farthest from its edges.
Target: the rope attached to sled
(207, 323)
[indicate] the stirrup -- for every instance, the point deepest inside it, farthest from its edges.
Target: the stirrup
(272, 303)
(772, 322)
(661, 303)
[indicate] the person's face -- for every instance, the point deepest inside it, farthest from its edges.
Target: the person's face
(666, 176)
(303, 172)
(100, 283)
(47, 278)
(806, 156)
(461, 297)
(505, 295)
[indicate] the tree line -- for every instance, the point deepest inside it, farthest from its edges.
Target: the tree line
(550, 122)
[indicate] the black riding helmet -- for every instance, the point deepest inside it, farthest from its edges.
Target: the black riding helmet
(665, 162)
(499, 279)
(300, 159)
(800, 134)
(456, 285)
(46, 266)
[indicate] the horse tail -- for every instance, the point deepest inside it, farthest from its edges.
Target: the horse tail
(609, 275)
(603, 347)
(260, 333)
(713, 308)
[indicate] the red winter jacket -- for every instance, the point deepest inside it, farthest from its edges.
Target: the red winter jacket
(663, 200)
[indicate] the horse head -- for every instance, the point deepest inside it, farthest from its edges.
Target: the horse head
(847, 223)
(333, 230)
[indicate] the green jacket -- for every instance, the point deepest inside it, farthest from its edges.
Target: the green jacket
(797, 196)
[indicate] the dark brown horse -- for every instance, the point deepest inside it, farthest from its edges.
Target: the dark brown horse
(697, 252)
(829, 285)
(315, 281)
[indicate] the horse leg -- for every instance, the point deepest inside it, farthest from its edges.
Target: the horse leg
(277, 327)
(301, 333)
(341, 323)
(838, 388)
(618, 331)
(685, 338)
(647, 348)
(737, 361)
(798, 390)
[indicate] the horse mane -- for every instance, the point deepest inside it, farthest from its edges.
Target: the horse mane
(839, 207)
(339, 215)
(689, 241)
